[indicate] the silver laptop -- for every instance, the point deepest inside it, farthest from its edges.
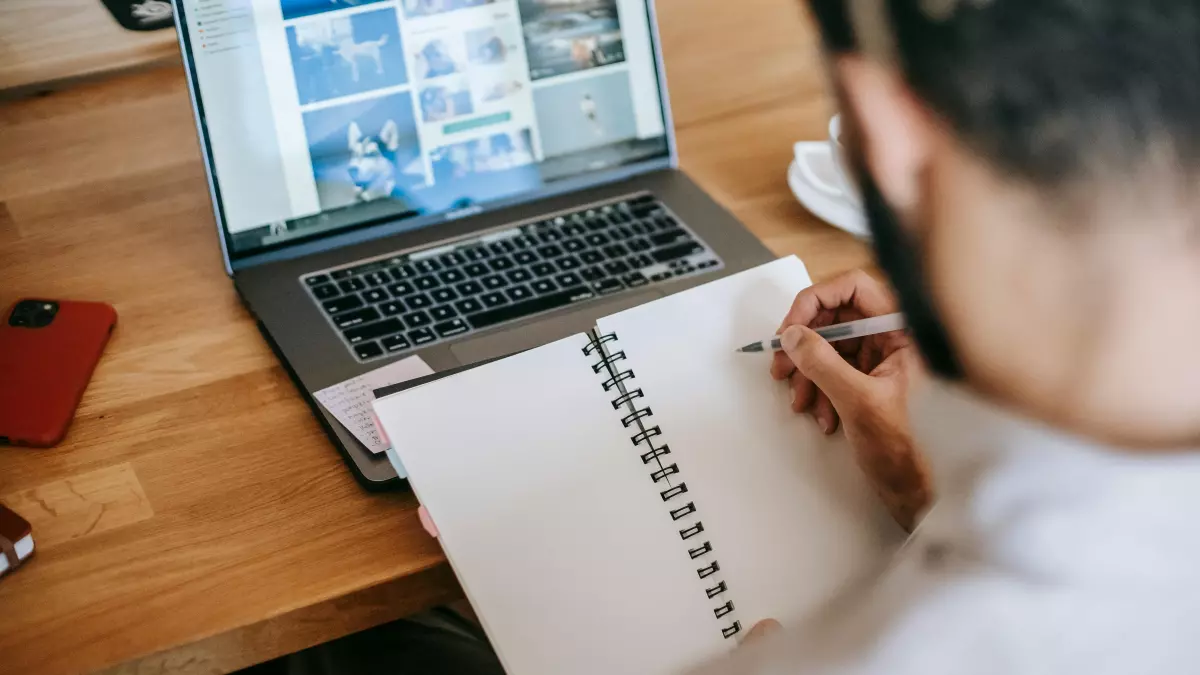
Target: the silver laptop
(453, 179)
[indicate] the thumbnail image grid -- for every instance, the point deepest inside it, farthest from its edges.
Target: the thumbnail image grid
(338, 56)
(567, 36)
(491, 154)
(418, 8)
(365, 150)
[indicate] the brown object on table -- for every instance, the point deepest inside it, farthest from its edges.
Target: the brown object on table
(196, 519)
(13, 530)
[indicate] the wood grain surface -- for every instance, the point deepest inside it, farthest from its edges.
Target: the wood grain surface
(196, 519)
(52, 41)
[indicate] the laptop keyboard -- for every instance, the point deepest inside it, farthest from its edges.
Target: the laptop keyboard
(406, 301)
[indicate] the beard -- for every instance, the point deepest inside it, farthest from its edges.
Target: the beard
(900, 257)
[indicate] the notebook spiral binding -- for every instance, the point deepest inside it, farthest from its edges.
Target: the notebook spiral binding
(665, 475)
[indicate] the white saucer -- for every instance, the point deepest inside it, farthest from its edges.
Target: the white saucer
(814, 180)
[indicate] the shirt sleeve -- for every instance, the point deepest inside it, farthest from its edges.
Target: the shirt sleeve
(924, 616)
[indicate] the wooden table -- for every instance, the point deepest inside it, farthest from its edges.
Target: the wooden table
(196, 519)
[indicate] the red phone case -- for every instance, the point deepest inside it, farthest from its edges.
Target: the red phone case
(44, 371)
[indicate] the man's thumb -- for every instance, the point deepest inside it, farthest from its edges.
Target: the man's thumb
(817, 360)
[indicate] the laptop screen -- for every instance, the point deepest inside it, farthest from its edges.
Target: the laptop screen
(323, 115)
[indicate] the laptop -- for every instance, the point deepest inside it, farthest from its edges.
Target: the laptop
(451, 179)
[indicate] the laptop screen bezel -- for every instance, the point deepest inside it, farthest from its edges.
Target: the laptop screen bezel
(383, 227)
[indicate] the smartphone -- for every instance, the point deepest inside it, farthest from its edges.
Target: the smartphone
(48, 350)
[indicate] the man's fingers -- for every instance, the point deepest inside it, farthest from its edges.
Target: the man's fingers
(761, 630)
(827, 417)
(819, 362)
(804, 394)
(781, 367)
(856, 289)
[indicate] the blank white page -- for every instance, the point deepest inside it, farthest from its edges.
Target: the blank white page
(549, 518)
(790, 515)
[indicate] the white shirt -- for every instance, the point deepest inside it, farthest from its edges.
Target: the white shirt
(1045, 553)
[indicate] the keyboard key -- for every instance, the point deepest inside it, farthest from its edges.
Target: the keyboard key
(643, 199)
(666, 222)
(617, 267)
(443, 313)
(592, 274)
(452, 260)
(616, 251)
(351, 285)
(685, 249)
(543, 269)
(501, 247)
(573, 229)
(375, 295)
(501, 263)
(543, 286)
(421, 336)
(669, 237)
(493, 300)
(550, 252)
(392, 308)
(594, 224)
(634, 280)
(372, 331)
(574, 245)
(470, 288)
(367, 268)
(476, 253)
(401, 289)
(569, 279)
(519, 293)
(493, 282)
(641, 260)
(641, 228)
(444, 295)
(519, 276)
(356, 318)
(468, 306)
(326, 292)
(417, 319)
(491, 317)
(402, 272)
(597, 239)
(426, 266)
(317, 279)
(661, 276)
(620, 233)
(342, 304)
(377, 278)
(477, 269)
(643, 210)
(418, 301)
(396, 343)
(638, 244)
(453, 327)
(569, 263)
(607, 286)
(707, 264)
(426, 283)
(525, 257)
(368, 350)
(591, 257)
(524, 241)
(549, 235)
(451, 276)
(340, 274)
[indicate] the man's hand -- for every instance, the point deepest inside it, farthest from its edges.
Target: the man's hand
(861, 384)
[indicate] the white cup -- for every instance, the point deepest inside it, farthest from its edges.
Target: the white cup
(840, 160)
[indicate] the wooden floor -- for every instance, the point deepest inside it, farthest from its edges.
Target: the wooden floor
(196, 519)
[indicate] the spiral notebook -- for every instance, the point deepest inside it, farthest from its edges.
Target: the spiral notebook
(634, 499)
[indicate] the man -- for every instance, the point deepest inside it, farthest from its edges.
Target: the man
(1029, 171)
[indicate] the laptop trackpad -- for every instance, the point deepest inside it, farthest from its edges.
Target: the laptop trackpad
(545, 331)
